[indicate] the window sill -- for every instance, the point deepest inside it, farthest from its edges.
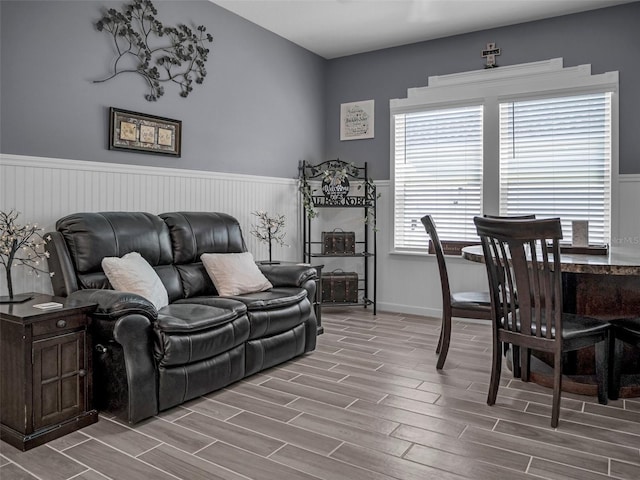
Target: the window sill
(404, 253)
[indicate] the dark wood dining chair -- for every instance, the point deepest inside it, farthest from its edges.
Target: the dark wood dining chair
(463, 304)
(624, 330)
(523, 262)
(514, 349)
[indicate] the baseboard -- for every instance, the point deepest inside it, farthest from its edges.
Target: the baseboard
(422, 311)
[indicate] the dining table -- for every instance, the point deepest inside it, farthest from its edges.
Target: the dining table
(604, 286)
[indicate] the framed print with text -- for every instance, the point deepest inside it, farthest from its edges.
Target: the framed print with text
(356, 120)
(138, 132)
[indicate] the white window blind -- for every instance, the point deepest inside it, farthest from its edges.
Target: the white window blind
(555, 160)
(438, 171)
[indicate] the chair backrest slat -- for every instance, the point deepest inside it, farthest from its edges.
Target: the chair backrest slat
(523, 266)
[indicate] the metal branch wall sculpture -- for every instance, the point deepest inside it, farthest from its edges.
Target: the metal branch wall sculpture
(159, 53)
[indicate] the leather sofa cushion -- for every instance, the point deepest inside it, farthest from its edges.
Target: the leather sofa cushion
(187, 316)
(275, 311)
(195, 233)
(278, 297)
(92, 236)
(94, 280)
(263, 353)
(191, 333)
(183, 382)
(195, 281)
(265, 323)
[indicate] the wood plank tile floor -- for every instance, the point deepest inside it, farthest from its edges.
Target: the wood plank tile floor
(367, 404)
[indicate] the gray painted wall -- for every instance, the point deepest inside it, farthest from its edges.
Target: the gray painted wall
(266, 103)
(608, 39)
(259, 111)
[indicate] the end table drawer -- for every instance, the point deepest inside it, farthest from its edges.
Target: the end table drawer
(58, 325)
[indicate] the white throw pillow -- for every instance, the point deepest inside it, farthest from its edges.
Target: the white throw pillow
(234, 273)
(132, 273)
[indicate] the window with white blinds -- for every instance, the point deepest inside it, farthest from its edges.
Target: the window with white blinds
(534, 138)
(437, 170)
(555, 160)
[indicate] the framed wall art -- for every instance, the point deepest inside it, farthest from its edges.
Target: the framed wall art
(356, 120)
(138, 132)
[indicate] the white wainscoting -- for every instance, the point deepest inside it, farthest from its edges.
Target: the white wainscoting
(46, 189)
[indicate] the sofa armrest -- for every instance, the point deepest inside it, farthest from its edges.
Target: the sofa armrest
(113, 305)
(124, 367)
(289, 275)
(125, 377)
(301, 276)
(134, 335)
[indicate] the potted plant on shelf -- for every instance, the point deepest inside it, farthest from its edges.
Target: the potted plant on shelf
(20, 245)
(269, 230)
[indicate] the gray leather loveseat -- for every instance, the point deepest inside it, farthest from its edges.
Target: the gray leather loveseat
(145, 360)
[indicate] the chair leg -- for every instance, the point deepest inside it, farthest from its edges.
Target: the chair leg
(616, 367)
(525, 361)
(445, 335)
(440, 337)
(515, 361)
(602, 370)
(557, 390)
(570, 362)
(496, 368)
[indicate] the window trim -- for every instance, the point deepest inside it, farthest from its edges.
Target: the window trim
(490, 87)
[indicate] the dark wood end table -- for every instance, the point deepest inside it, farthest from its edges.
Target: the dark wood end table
(45, 370)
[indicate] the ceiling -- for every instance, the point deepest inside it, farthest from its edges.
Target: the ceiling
(336, 28)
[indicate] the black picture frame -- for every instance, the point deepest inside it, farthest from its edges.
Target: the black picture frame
(139, 132)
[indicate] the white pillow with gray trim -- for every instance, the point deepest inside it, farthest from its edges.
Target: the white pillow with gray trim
(234, 273)
(132, 273)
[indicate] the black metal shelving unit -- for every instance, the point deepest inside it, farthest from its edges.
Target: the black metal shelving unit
(311, 176)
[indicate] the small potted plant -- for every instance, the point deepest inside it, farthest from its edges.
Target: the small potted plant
(20, 245)
(269, 230)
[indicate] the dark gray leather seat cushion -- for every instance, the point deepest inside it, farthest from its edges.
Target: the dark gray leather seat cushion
(189, 332)
(276, 310)
(186, 316)
(274, 298)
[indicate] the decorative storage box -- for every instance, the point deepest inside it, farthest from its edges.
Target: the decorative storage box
(340, 287)
(338, 242)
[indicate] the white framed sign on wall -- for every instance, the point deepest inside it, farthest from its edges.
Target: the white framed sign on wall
(357, 120)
